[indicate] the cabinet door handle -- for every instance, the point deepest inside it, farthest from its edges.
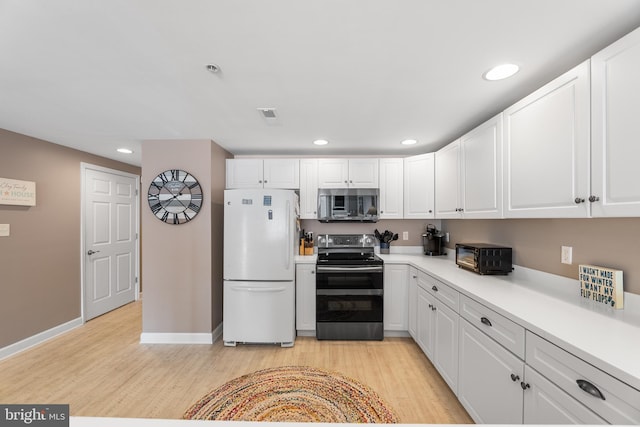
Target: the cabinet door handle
(524, 385)
(430, 305)
(486, 321)
(515, 377)
(593, 198)
(265, 181)
(433, 308)
(578, 200)
(260, 182)
(590, 388)
(430, 211)
(415, 277)
(434, 288)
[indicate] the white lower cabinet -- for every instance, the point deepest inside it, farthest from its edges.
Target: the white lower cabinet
(489, 379)
(546, 403)
(424, 320)
(610, 398)
(396, 287)
(446, 344)
(413, 295)
(305, 297)
(437, 329)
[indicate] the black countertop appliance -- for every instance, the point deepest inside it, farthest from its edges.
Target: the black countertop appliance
(433, 241)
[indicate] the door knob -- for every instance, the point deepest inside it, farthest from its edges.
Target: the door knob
(91, 252)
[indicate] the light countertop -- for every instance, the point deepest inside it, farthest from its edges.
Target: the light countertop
(547, 305)
(551, 307)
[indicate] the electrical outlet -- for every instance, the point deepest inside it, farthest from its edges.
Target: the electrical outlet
(446, 237)
(567, 255)
(405, 235)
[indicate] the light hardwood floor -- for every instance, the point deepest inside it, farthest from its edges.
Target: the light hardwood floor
(102, 370)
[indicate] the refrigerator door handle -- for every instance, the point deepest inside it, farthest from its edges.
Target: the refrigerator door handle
(250, 289)
(288, 223)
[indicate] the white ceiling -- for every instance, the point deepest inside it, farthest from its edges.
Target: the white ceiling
(364, 74)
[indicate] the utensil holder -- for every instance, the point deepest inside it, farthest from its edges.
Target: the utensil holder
(384, 248)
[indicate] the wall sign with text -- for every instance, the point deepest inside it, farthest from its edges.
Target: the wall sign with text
(20, 193)
(601, 284)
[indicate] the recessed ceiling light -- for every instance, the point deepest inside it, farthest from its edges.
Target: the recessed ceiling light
(320, 142)
(500, 72)
(409, 142)
(124, 150)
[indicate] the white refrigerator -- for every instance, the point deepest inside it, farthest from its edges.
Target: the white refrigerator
(260, 239)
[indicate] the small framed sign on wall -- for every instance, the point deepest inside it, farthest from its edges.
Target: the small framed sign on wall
(19, 193)
(602, 285)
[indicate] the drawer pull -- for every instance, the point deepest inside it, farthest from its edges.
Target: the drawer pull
(486, 321)
(514, 377)
(524, 385)
(590, 388)
(434, 288)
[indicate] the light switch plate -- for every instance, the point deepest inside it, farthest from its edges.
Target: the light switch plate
(567, 255)
(5, 230)
(405, 235)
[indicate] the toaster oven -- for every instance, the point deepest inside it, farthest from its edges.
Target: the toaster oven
(484, 258)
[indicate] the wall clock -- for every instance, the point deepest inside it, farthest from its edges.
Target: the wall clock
(175, 196)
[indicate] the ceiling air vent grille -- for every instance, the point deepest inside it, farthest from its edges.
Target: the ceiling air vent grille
(268, 113)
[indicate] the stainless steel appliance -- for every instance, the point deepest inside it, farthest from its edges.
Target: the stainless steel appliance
(484, 258)
(433, 241)
(349, 288)
(348, 204)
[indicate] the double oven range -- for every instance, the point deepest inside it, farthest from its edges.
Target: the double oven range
(349, 288)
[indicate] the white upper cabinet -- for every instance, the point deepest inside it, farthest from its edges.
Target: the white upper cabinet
(469, 174)
(546, 150)
(615, 109)
(308, 188)
(391, 183)
(345, 173)
(481, 171)
(244, 173)
(263, 173)
(448, 202)
(282, 173)
(419, 186)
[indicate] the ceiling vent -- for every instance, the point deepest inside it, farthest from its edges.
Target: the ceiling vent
(268, 113)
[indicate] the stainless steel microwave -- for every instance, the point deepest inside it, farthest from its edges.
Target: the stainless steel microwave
(348, 204)
(484, 258)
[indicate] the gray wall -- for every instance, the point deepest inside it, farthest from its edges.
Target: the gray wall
(182, 264)
(606, 242)
(40, 260)
(415, 228)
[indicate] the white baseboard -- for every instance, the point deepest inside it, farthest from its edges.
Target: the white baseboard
(176, 338)
(34, 340)
(217, 332)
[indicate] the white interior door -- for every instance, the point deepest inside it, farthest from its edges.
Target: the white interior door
(110, 239)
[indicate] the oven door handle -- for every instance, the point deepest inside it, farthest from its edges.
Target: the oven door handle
(372, 269)
(346, 292)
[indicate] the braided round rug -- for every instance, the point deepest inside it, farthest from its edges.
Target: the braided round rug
(293, 394)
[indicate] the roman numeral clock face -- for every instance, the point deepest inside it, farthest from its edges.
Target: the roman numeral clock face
(175, 196)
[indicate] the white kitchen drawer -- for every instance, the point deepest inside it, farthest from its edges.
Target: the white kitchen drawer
(546, 403)
(619, 404)
(509, 334)
(444, 293)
